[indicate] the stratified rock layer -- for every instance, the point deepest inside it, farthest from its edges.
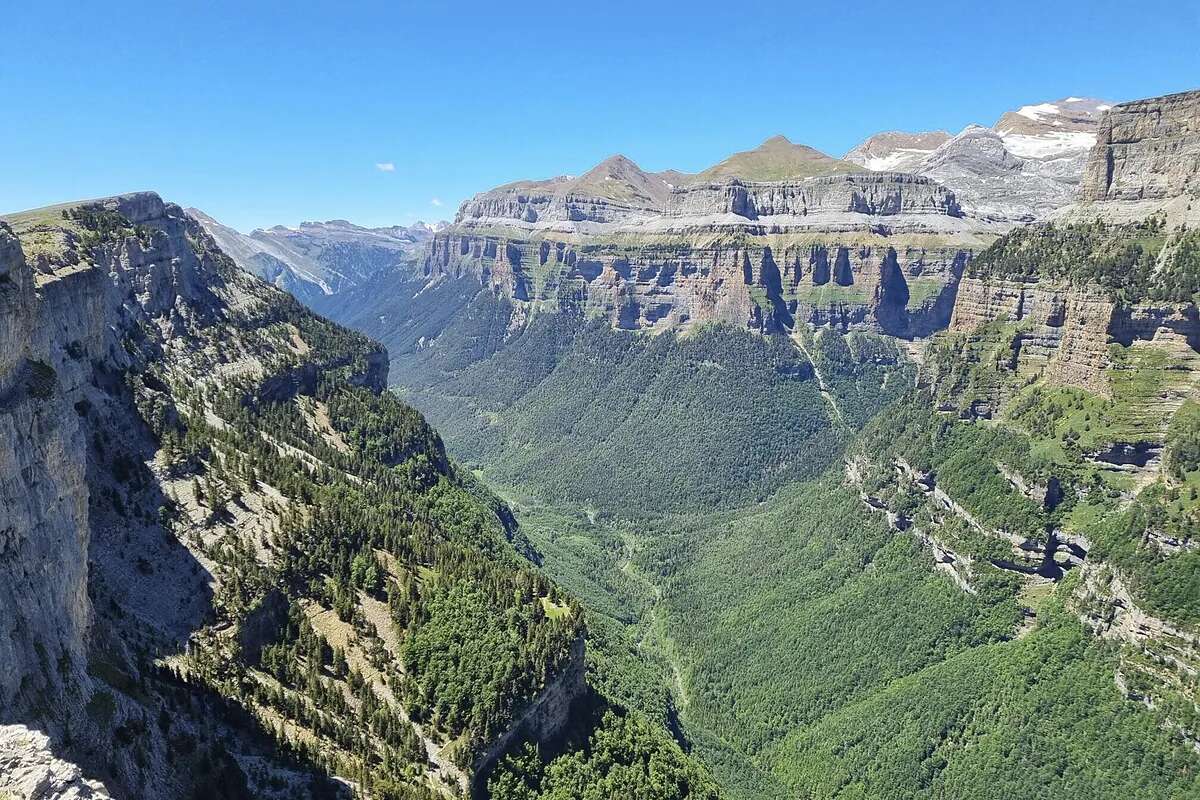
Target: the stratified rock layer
(1146, 150)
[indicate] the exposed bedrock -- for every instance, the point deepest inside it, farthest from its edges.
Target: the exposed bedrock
(872, 193)
(904, 290)
(1146, 150)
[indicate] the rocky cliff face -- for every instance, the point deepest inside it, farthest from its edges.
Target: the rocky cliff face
(635, 200)
(91, 295)
(30, 770)
(846, 282)
(43, 491)
(1062, 329)
(1146, 150)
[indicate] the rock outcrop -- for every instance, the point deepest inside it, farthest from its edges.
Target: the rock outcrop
(1035, 320)
(91, 294)
(1146, 150)
(29, 770)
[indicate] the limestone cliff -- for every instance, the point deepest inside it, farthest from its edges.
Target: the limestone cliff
(44, 371)
(1063, 321)
(91, 296)
(1146, 150)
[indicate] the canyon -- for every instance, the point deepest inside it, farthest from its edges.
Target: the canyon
(790, 449)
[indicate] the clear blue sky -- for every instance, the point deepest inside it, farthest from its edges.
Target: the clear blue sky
(278, 113)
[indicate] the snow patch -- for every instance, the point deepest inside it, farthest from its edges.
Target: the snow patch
(1038, 111)
(898, 157)
(1048, 145)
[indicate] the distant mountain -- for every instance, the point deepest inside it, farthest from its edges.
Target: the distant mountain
(1021, 169)
(776, 159)
(897, 151)
(1049, 130)
(318, 259)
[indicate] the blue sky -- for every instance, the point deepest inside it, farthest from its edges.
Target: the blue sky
(265, 113)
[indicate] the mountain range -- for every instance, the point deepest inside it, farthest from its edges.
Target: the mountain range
(1023, 168)
(318, 259)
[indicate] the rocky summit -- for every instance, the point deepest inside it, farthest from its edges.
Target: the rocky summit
(896, 151)
(1147, 151)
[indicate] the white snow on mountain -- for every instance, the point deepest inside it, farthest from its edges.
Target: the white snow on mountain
(1048, 145)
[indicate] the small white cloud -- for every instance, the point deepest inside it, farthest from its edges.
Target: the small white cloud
(435, 201)
(385, 166)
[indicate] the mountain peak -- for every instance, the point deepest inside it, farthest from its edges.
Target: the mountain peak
(778, 140)
(896, 151)
(617, 159)
(616, 165)
(1068, 114)
(619, 178)
(778, 158)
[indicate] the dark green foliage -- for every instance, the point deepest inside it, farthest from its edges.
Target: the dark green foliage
(385, 516)
(104, 225)
(863, 371)
(1035, 717)
(1118, 258)
(383, 429)
(1167, 584)
(622, 757)
(1183, 442)
(478, 654)
(792, 612)
(1179, 278)
(40, 379)
(628, 422)
(965, 459)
